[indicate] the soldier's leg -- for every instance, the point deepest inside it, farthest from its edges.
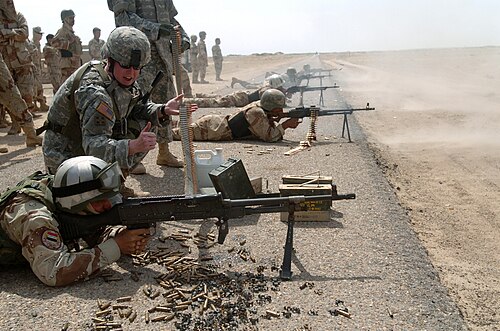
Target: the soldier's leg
(163, 92)
(203, 73)
(25, 82)
(195, 72)
(186, 85)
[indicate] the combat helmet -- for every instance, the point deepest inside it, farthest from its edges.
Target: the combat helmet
(128, 46)
(83, 179)
(275, 81)
(66, 13)
(291, 71)
(272, 99)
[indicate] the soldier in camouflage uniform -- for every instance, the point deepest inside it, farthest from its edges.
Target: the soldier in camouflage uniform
(36, 54)
(98, 111)
(236, 99)
(16, 76)
(52, 59)
(193, 52)
(155, 18)
(217, 57)
(69, 45)
(95, 45)
(202, 57)
(255, 121)
(29, 231)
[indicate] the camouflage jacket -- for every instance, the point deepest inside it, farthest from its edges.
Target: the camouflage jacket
(202, 53)
(95, 48)
(14, 42)
(28, 220)
(216, 53)
(69, 45)
(104, 109)
(51, 56)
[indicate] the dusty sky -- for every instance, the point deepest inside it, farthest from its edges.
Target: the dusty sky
(297, 26)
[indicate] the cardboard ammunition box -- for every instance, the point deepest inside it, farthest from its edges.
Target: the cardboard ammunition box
(319, 211)
(231, 179)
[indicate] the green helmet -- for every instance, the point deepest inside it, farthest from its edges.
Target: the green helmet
(128, 46)
(67, 13)
(83, 179)
(272, 99)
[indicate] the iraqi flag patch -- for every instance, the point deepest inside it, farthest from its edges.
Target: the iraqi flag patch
(105, 110)
(51, 239)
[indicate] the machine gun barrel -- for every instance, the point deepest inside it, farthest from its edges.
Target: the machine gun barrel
(301, 112)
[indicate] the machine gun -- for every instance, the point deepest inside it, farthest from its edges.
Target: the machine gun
(304, 88)
(314, 112)
(144, 212)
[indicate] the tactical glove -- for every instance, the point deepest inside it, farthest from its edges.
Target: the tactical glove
(165, 30)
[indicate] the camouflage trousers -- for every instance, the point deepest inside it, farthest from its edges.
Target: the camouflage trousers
(208, 128)
(10, 96)
(236, 99)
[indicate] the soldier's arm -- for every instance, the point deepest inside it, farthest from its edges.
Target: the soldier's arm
(262, 128)
(18, 34)
(32, 225)
(125, 15)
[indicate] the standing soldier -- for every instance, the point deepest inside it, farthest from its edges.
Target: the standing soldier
(217, 57)
(194, 59)
(95, 45)
(202, 57)
(36, 54)
(16, 76)
(155, 18)
(69, 45)
(53, 62)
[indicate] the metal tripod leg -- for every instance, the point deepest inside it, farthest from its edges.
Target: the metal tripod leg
(344, 126)
(286, 266)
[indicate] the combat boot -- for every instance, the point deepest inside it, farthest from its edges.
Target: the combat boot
(15, 128)
(4, 149)
(166, 158)
(139, 169)
(32, 140)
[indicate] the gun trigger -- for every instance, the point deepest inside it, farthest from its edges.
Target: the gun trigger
(223, 230)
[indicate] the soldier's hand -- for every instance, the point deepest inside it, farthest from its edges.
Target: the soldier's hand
(144, 143)
(166, 30)
(291, 123)
(132, 241)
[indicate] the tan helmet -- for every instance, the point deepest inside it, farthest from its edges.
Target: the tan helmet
(272, 99)
(128, 46)
(83, 179)
(275, 81)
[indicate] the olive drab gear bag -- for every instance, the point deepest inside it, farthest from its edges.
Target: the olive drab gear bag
(35, 186)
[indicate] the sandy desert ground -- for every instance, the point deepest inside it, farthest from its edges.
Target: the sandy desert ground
(434, 135)
(436, 132)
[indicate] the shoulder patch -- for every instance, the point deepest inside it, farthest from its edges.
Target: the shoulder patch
(105, 110)
(51, 239)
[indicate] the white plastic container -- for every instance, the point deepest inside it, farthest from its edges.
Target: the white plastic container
(206, 161)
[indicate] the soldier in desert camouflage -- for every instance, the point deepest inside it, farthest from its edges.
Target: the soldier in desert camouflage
(95, 45)
(217, 58)
(69, 44)
(257, 120)
(236, 99)
(52, 59)
(29, 231)
(193, 52)
(202, 57)
(156, 18)
(36, 54)
(16, 75)
(98, 111)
